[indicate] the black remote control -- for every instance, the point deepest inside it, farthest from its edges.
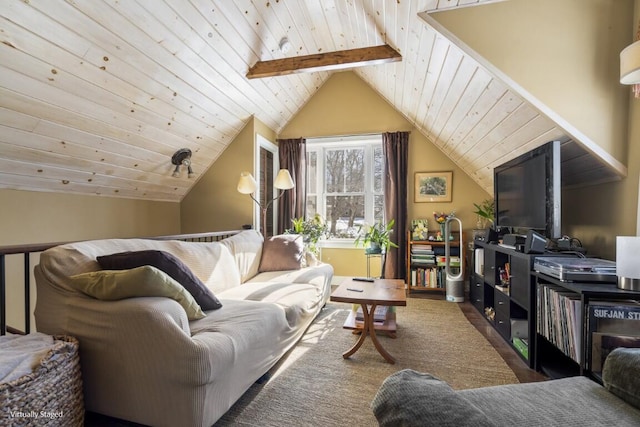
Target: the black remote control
(363, 279)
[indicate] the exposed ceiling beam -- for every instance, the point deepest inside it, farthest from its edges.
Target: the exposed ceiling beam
(325, 61)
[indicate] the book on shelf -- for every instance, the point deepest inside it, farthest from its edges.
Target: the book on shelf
(423, 263)
(423, 257)
(426, 251)
(434, 278)
(454, 261)
(421, 247)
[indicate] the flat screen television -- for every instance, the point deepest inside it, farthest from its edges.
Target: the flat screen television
(527, 192)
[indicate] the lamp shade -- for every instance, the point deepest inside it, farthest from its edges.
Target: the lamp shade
(283, 180)
(627, 267)
(630, 64)
(246, 184)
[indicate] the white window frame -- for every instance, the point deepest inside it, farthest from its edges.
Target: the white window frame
(319, 146)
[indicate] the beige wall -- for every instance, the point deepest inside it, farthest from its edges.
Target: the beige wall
(38, 217)
(35, 217)
(565, 53)
(351, 262)
(214, 204)
(346, 105)
(611, 210)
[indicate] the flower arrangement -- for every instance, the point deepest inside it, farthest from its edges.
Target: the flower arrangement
(441, 217)
(311, 230)
(377, 236)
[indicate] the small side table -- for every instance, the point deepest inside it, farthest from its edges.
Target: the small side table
(389, 292)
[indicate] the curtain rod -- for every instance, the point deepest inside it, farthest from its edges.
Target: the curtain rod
(349, 136)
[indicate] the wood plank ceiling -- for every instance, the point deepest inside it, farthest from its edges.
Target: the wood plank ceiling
(96, 95)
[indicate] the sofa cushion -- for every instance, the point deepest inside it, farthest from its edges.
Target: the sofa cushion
(621, 374)
(573, 401)
(410, 398)
(211, 262)
(145, 281)
(246, 248)
(298, 300)
(168, 263)
(283, 252)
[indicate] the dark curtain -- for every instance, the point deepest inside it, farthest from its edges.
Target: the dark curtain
(293, 156)
(395, 147)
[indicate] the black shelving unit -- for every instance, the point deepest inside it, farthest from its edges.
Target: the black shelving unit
(549, 358)
(502, 288)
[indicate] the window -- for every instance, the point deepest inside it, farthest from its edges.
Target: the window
(344, 182)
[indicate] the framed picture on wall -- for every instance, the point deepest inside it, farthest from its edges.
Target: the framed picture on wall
(432, 187)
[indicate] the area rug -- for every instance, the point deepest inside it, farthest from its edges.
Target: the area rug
(314, 386)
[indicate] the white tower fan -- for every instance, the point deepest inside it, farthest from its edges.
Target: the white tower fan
(454, 282)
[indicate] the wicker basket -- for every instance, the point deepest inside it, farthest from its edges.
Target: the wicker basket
(49, 396)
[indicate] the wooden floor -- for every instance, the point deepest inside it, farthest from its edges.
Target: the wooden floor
(517, 365)
(513, 360)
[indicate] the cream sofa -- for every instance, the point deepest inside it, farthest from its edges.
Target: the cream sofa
(143, 360)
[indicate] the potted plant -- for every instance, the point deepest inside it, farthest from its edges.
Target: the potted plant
(485, 212)
(377, 237)
(311, 230)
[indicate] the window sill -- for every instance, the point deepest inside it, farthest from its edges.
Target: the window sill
(339, 244)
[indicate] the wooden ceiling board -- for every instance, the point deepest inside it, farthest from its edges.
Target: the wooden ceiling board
(96, 95)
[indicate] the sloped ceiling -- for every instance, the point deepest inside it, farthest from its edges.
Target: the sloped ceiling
(96, 95)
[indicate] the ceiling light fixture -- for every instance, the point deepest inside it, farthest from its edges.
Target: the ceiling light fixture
(285, 45)
(182, 157)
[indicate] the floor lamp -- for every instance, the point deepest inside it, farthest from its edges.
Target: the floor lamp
(630, 66)
(247, 185)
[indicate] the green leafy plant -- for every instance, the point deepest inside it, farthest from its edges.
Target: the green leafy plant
(311, 230)
(377, 235)
(485, 210)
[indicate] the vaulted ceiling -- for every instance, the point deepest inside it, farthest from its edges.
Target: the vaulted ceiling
(96, 95)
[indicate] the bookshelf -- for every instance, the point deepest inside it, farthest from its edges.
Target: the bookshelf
(426, 263)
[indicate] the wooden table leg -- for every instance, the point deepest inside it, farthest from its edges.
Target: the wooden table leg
(363, 335)
(374, 338)
(369, 329)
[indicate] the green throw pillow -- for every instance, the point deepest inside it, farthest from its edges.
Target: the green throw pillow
(145, 281)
